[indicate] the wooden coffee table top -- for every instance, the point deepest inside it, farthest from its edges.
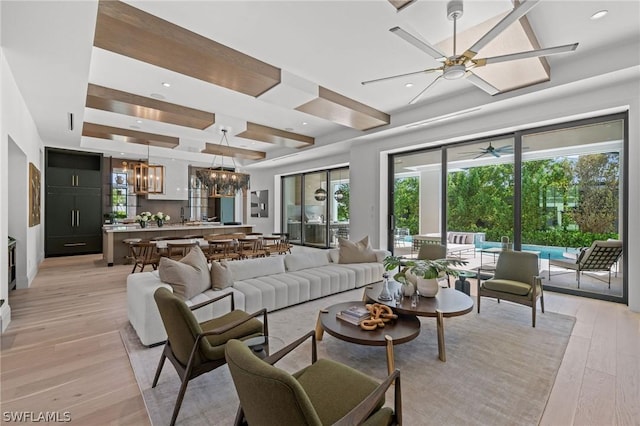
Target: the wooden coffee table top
(401, 330)
(450, 302)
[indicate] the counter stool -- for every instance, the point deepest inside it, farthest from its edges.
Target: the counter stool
(144, 253)
(128, 259)
(179, 250)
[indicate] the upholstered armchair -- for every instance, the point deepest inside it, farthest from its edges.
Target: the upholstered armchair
(196, 348)
(323, 393)
(516, 279)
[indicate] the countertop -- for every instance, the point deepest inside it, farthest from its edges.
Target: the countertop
(134, 227)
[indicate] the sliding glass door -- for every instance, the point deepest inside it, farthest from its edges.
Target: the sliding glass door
(553, 191)
(315, 207)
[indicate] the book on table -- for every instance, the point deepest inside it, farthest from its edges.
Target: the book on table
(351, 319)
(356, 311)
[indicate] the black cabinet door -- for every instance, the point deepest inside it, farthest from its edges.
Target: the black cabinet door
(60, 219)
(88, 211)
(77, 178)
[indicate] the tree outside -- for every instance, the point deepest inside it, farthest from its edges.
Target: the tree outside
(406, 202)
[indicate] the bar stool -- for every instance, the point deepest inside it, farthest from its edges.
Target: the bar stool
(179, 250)
(144, 253)
(129, 257)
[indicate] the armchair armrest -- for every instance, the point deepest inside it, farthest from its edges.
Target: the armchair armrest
(215, 299)
(363, 410)
(273, 358)
(225, 328)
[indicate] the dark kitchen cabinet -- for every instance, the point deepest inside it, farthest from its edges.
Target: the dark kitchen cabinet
(73, 205)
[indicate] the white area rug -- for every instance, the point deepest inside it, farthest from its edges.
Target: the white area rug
(499, 369)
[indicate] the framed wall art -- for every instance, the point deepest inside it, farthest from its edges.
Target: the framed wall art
(34, 195)
(260, 203)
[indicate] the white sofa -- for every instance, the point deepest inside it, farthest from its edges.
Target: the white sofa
(273, 282)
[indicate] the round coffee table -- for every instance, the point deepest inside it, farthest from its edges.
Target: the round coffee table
(401, 330)
(447, 303)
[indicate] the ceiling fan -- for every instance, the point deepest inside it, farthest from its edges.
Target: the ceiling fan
(458, 66)
(491, 150)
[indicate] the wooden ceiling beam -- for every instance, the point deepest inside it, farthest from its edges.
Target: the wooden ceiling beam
(120, 102)
(126, 135)
(227, 151)
(131, 32)
(258, 132)
(342, 110)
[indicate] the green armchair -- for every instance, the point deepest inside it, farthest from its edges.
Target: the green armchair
(516, 279)
(323, 393)
(197, 348)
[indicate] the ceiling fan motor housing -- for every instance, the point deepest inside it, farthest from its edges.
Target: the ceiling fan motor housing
(454, 9)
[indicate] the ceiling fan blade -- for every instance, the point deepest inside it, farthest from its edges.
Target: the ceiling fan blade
(419, 95)
(419, 43)
(528, 54)
(509, 19)
(505, 148)
(495, 154)
(377, 80)
(482, 84)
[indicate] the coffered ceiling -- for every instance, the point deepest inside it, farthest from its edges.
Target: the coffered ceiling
(282, 77)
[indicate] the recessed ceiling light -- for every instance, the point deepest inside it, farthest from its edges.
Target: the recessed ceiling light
(408, 85)
(157, 96)
(139, 121)
(122, 153)
(165, 84)
(599, 14)
(304, 123)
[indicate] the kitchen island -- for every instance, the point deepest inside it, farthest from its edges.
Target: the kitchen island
(114, 251)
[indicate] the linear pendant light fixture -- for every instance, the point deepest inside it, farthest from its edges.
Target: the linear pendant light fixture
(148, 178)
(220, 181)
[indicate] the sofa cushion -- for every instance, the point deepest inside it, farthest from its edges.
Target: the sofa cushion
(507, 286)
(252, 268)
(296, 262)
(188, 276)
(221, 277)
(356, 252)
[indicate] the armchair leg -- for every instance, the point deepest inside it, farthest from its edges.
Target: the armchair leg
(176, 409)
(533, 315)
(159, 369)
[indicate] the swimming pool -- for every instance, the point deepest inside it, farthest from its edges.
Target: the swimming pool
(545, 251)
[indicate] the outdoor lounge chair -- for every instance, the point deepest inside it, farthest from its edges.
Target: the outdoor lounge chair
(601, 256)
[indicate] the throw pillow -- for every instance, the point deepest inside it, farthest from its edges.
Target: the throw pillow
(188, 276)
(221, 277)
(356, 252)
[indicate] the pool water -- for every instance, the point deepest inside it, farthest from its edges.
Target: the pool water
(545, 251)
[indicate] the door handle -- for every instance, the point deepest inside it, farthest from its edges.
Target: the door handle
(77, 217)
(73, 219)
(75, 244)
(77, 180)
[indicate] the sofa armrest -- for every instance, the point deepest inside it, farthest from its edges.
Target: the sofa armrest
(142, 309)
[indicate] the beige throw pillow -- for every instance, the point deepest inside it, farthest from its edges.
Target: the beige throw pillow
(189, 276)
(356, 252)
(221, 277)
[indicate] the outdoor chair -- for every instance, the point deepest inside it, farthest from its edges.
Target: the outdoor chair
(601, 256)
(323, 393)
(194, 348)
(516, 279)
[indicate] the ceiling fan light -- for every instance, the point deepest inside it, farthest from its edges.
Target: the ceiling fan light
(454, 72)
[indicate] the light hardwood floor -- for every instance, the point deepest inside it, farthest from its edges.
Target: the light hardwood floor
(62, 352)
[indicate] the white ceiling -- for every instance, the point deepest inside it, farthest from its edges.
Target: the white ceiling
(336, 44)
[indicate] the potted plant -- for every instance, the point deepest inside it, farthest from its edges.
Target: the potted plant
(160, 218)
(422, 274)
(143, 218)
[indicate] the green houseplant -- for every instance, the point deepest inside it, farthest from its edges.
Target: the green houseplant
(415, 271)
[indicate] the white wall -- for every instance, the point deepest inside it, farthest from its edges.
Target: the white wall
(17, 123)
(368, 165)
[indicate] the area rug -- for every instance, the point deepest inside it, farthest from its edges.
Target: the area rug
(499, 370)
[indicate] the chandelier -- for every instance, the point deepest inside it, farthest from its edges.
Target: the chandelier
(222, 182)
(148, 178)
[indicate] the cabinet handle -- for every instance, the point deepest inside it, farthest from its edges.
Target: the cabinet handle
(73, 219)
(77, 180)
(75, 244)
(77, 217)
